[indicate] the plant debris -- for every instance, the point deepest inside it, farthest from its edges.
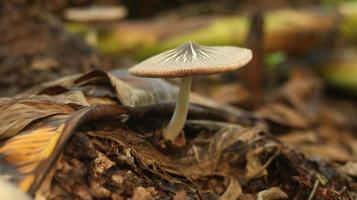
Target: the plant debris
(96, 134)
(116, 151)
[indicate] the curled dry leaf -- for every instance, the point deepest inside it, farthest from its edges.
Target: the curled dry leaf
(17, 114)
(302, 91)
(69, 98)
(350, 168)
(283, 115)
(254, 167)
(326, 142)
(338, 113)
(273, 193)
(233, 190)
(128, 90)
(25, 157)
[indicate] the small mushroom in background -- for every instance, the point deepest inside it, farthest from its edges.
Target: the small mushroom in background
(94, 14)
(185, 61)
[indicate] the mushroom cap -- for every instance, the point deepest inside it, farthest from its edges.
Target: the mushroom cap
(191, 59)
(95, 13)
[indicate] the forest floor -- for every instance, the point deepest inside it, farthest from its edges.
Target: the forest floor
(298, 143)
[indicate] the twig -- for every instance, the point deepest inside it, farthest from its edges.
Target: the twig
(316, 185)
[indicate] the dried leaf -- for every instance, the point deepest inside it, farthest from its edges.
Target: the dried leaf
(350, 168)
(129, 90)
(338, 113)
(327, 142)
(67, 97)
(224, 94)
(283, 115)
(143, 92)
(302, 91)
(254, 167)
(273, 193)
(328, 152)
(17, 114)
(25, 156)
(233, 190)
(299, 137)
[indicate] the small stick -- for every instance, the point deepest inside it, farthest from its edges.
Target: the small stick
(316, 185)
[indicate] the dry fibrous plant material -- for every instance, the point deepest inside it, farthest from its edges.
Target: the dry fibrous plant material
(96, 135)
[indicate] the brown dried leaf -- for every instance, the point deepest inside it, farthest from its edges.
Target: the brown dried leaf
(129, 90)
(327, 152)
(17, 114)
(283, 115)
(302, 91)
(234, 94)
(69, 98)
(273, 193)
(58, 86)
(233, 190)
(142, 92)
(299, 137)
(254, 167)
(350, 168)
(24, 157)
(338, 113)
(327, 142)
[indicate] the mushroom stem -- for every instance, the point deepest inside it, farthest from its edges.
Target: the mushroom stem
(179, 117)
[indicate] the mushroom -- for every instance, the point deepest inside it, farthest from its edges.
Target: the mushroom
(185, 61)
(95, 13)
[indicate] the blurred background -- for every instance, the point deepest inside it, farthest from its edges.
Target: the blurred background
(44, 40)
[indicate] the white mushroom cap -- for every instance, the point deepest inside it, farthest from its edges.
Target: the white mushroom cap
(191, 59)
